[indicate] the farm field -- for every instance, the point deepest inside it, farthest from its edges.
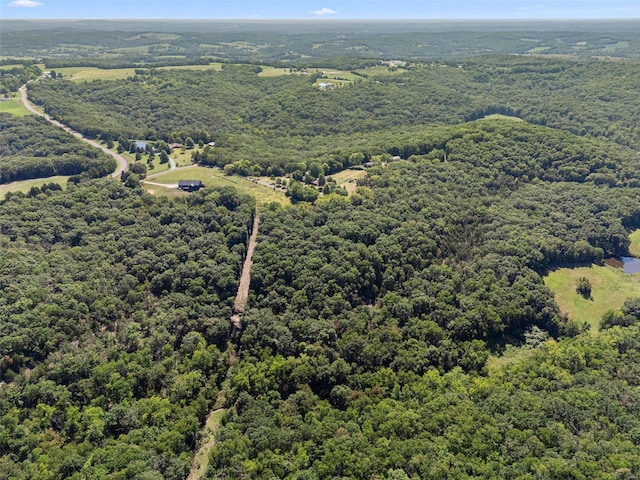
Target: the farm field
(94, 73)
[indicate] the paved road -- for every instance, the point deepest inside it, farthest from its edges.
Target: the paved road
(122, 162)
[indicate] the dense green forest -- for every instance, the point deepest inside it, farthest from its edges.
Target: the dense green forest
(30, 147)
(362, 304)
(371, 344)
(280, 125)
(570, 410)
(114, 310)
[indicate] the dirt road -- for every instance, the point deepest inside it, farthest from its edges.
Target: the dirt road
(122, 162)
(245, 279)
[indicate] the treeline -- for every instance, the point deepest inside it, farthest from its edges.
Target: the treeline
(30, 147)
(114, 323)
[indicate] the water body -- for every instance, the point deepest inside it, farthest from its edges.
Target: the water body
(142, 145)
(628, 265)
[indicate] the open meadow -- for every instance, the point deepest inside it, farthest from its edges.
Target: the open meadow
(611, 287)
(14, 106)
(94, 73)
(25, 185)
(212, 177)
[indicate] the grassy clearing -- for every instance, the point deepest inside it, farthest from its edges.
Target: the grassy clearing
(495, 363)
(25, 185)
(169, 192)
(212, 177)
(275, 72)
(498, 116)
(340, 75)
(380, 70)
(14, 106)
(634, 248)
(201, 459)
(347, 179)
(81, 74)
(610, 288)
(157, 166)
(211, 66)
(183, 159)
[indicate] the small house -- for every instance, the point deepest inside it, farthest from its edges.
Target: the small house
(190, 185)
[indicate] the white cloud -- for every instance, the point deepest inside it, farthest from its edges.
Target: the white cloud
(25, 3)
(324, 11)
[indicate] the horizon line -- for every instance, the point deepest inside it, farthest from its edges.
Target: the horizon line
(328, 20)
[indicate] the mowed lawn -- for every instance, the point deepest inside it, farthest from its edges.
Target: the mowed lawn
(212, 177)
(610, 287)
(25, 185)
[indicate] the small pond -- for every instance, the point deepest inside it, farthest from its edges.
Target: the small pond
(142, 145)
(628, 265)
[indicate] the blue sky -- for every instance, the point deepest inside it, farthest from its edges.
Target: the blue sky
(321, 9)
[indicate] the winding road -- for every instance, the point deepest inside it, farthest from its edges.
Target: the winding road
(122, 162)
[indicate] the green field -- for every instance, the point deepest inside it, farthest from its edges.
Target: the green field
(634, 248)
(380, 70)
(93, 73)
(498, 116)
(25, 185)
(212, 177)
(347, 179)
(610, 288)
(275, 72)
(14, 106)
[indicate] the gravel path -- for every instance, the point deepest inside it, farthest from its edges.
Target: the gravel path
(122, 162)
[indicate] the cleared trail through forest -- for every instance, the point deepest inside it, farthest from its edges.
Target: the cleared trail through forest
(245, 278)
(201, 458)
